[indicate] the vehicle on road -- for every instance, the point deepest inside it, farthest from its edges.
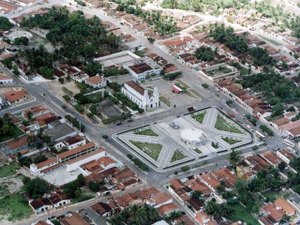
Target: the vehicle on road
(191, 109)
(260, 135)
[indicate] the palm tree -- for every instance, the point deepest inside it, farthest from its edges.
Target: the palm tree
(234, 158)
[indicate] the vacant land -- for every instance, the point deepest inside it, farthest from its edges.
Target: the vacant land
(8, 170)
(16, 132)
(146, 131)
(177, 155)
(199, 117)
(151, 149)
(222, 124)
(15, 207)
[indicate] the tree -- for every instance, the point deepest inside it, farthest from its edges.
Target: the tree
(205, 54)
(281, 166)
(151, 40)
(234, 158)
(94, 186)
(5, 24)
(21, 41)
(37, 187)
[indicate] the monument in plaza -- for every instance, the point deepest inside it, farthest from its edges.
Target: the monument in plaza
(193, 137)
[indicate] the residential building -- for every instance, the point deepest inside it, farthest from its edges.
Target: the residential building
(96, 81)
(4, 79)
(58, 131)
(142, 97)
(15, 95)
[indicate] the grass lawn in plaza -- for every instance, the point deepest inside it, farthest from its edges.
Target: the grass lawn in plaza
(15, 207)
(199, 117)
(151, 149)
(145, 131)
(230, 141)
(222, 124)
(177, 155)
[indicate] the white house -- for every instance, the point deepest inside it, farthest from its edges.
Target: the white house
(96, 81)
(141, 70)
(4, 79)
(141, 96)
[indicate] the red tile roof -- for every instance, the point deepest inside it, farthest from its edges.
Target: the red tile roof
(15, 95)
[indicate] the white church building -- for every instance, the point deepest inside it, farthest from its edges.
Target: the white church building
(142, 97)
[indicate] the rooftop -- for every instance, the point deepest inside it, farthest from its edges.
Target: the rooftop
(140, 68)
(136, 87)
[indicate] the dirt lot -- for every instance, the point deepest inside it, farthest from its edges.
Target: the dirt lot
(57, 88)
(170, 98)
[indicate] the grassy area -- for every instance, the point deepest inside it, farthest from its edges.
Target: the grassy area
(16, 133)
(231, 141)
(96, 97)
(222, 124)
(165, 100)
(83, 197)
(3, 190)
(177, 155)
(145, 131)
(9, 170)
(240, 213)
(138, 163)
(199, 117)
(153, 150)
(15, 206)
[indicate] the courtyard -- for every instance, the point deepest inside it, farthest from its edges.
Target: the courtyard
(180, 141)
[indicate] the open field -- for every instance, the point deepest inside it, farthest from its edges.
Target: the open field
(14, 207)
(8, 170)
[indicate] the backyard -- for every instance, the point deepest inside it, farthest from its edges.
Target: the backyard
(222, 124)
(151, 149)
(240, 213)
(15, 132)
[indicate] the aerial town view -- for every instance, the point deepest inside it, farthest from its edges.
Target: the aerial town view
(149, 112)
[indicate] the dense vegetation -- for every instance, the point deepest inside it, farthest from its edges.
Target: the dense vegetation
(7, 128)
(162, 24)
(36, 187)
(145, 215)
(40, 61)
(276, 88)
(205, 54)
(77, 36)
(5, 24)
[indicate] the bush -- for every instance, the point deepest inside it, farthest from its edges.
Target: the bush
(79, 108)
(61, 80)
(67, 97)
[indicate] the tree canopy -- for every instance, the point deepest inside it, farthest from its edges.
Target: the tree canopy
(77, 36)
(205, 54)
(37, 187)
(5, 24)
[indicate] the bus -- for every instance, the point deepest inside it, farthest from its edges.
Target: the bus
(260, 135)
